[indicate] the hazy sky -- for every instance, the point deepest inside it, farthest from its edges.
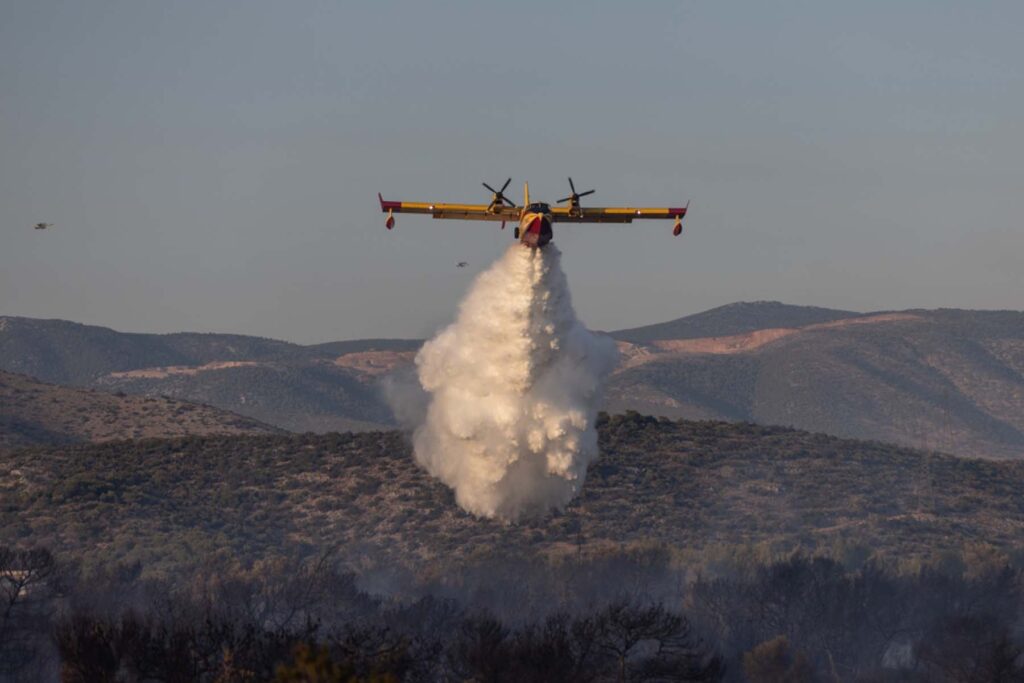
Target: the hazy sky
(214, 165)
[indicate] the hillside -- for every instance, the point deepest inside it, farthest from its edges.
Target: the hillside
(947, 380)
(299, 388)
(732, 319)
(299, 395)
(705, 490)
(34, 413)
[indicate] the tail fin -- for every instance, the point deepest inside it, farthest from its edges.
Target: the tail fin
(526, 194)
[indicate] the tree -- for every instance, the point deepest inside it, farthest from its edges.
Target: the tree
(648, 642)
(971, 649)
(29, 581)
(773, 661)
(313, 665)
(481, 650)
(87, 651)
(559, 650)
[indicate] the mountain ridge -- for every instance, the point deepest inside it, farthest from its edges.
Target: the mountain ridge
(731, 319)
(951, 379)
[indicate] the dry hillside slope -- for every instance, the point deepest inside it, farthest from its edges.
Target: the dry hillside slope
(946, 380)
(33, 413)
(701, 489)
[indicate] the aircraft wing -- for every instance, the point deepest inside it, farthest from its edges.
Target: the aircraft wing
(470, 212)
(615, 214)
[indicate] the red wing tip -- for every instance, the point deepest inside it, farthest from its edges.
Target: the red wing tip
(385, 205)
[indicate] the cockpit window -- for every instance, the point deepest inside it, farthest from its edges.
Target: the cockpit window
(538, 207)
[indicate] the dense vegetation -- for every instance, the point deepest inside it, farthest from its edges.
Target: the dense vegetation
(711, 493)
(697, 551)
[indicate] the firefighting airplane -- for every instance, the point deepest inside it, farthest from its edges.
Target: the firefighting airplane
(535, 219)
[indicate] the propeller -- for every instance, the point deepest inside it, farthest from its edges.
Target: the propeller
(499, 195)
(574, 198)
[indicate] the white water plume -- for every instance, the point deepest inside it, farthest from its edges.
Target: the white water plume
(514, 384)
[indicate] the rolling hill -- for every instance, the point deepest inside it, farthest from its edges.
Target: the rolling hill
(951, 380)
(703, 490)
(948, 380)
(35, 413)
(299, 388)
(738, 318)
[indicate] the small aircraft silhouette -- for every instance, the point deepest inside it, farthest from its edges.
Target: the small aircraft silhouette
(461, 264)
(43, 226)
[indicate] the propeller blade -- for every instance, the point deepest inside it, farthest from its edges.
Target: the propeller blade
(499, 197)
(574, 198)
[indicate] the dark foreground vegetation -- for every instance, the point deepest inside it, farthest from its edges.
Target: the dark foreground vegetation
(696, 551)
(622, 617)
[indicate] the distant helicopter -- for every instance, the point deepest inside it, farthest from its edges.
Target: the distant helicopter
(461, 264)
(43, 226)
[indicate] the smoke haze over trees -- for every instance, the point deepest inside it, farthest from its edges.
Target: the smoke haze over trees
(747, 551)
(797, 619)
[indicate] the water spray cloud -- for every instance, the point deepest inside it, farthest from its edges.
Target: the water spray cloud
(514, 384)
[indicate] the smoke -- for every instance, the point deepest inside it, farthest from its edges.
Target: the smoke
(513, 387)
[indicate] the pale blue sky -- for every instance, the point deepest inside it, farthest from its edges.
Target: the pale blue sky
(214, 165)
